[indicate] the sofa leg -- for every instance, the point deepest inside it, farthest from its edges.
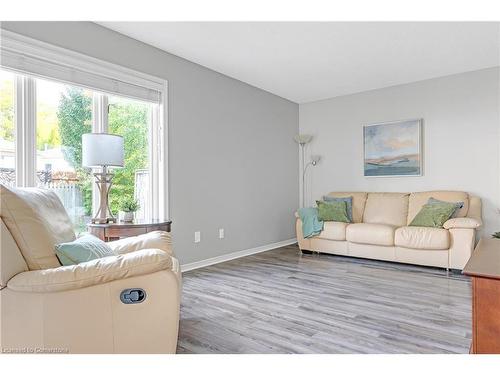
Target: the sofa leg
(306, 251)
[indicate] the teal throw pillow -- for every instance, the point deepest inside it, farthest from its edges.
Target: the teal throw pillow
(433, 215)
(347, 200)
(333, 211)
(83, 249)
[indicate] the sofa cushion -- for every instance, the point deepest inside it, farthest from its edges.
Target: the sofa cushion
(373, 234)
(37, 221)
(11, 260)
(424, 238)
(333, 230)
(358, 203)
(153, 240)
(417, 200)
(386, 208)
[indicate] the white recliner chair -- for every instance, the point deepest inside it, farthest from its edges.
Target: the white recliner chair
(128, 303)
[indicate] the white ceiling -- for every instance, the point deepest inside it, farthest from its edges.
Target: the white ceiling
(308, 61)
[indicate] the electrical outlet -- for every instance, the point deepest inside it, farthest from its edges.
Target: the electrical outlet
(197, 237)
(221, 233)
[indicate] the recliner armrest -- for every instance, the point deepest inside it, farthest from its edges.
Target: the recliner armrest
(94, 272)
(462, 222)
(152, 240)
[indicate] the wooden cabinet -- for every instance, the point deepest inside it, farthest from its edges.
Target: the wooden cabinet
(484, 268)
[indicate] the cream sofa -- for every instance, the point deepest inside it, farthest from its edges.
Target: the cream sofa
(380, 230)
(47, 308)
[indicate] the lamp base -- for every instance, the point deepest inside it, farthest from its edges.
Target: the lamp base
(104, 180)
(98, 220)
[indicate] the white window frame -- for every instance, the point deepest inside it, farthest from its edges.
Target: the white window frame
(25, 114)
(15, 47)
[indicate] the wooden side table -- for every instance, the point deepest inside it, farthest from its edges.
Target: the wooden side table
(114, 231)
(484, 268)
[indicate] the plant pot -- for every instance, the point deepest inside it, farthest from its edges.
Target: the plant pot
(126, 217)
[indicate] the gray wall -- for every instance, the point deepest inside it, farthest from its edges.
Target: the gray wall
(233, 161)
(461, 137)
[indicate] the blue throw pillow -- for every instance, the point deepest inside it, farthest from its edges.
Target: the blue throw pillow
(83, 249)
(458, 205)
(347, 200)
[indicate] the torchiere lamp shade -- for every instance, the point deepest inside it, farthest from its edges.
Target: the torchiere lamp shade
(302, 139)
(101, 149)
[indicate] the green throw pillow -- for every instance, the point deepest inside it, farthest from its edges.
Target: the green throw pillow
(433, 215)
(347, 200)
(458, 205)
(333, 211)
(83, 249)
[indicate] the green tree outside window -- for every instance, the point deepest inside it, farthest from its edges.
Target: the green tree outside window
(126, 118)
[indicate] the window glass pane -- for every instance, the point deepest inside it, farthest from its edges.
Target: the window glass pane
(64, 113)
(7, 129)
(131, 119)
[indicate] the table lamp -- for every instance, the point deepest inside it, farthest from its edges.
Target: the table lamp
(105, 151)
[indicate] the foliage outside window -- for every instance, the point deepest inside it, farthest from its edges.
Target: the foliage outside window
(63, 115)
(126, 118)
(129, 119)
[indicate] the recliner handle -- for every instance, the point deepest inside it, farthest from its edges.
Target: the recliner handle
(132, 296)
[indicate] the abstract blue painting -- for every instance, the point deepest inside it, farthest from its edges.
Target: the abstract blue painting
(393, 149)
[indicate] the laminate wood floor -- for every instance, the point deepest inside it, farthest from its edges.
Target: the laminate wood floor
(283, 302)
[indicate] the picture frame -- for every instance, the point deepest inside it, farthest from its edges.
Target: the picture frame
(393, 149)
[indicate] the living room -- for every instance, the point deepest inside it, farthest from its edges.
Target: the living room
(250, 187)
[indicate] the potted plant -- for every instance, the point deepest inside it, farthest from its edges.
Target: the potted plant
(128, 207)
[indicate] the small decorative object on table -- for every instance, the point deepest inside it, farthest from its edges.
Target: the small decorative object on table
(495, 235)
(128, 208)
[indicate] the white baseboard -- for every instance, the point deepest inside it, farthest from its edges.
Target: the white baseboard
(238, 254)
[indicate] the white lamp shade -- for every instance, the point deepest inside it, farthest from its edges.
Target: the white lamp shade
(302, 139)
(101, 149)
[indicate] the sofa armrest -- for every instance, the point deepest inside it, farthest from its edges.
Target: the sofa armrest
(475, 207)
(462, 242)
(152, 240)
(462, 222)
(94, 272)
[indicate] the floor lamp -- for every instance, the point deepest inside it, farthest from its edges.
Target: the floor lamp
(302, 140)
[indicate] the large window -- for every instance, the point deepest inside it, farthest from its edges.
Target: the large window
(62, 114)
(132, 120)
(50, 96)
(7, 130)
